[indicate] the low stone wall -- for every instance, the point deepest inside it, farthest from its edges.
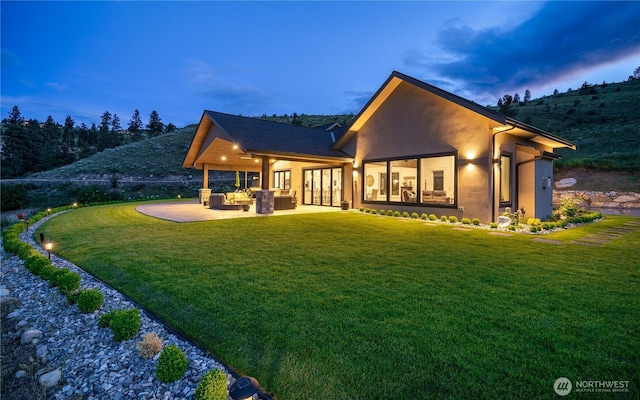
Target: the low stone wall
(613, 200)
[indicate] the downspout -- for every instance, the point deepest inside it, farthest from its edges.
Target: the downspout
(493, 172)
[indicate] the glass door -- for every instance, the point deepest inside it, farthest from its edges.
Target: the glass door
(323, 186)
(308, 187)
(336, 179)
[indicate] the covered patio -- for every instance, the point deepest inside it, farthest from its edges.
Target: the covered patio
(193, 211)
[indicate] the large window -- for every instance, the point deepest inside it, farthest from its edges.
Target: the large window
(282, 179)
(423, 180)
(322, 186)
(505, 179)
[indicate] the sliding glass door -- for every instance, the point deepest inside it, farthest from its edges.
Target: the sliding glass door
(322, 186)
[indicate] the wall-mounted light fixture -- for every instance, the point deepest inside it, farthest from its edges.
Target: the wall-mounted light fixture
(546, 182)
(496, 161)
(243, 388)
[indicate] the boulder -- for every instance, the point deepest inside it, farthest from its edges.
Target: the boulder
(29, 335)
(503, 221)
(626, 199)
(7, 305)
(565, 183)
(51, 379)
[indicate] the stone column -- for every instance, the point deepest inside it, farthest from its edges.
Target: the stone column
(264, 202)
(205, 194)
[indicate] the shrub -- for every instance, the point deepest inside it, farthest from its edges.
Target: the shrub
(90, 300)
(432, 217)
(453, 219)
(396, 214)
(212, 386)
(512, 227)
(424, 216)
(56, 275)
(466, 221)
(150, 345)
(373, 211)
(475, 221)
(72, 297)
(493, 225)
(35, 261)
(124, 324)
(367, 210)
(405, 214)
(361, 209)
(172, 364)
(390, 213)
(68, 282)
(414, 215)
(382, 212)
(47, 271)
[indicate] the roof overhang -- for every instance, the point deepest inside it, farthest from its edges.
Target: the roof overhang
(536, 135)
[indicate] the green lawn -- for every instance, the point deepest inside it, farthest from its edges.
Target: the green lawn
(352, 306)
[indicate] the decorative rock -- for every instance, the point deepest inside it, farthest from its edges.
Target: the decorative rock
(14, 314)
(565, 183)
(626, 199)
(29, 335)
(503, 221)
(21, 374)
(4, 291)
(7, 305)
(51, 379)
(41, 352)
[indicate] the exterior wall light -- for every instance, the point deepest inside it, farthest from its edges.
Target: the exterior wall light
(49, 246)
(546, 182)
(244, 388)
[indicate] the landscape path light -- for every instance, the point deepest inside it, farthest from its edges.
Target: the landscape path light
(244, 388)
(49, 246)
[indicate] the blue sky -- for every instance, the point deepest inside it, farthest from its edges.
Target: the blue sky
(82, 58)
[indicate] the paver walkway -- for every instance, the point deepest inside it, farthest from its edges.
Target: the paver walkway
(607, 235)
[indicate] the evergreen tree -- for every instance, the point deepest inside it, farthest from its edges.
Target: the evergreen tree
(15, 144)
(516, 98)
(49, 145)
(104, 139)
(116, 136)
(170, 128)
(135, 126)
(155, 124)
(68, 140)
(527, 96)
(505, 106)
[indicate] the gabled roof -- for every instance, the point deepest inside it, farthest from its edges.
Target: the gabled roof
(259, 137)
(517, 128)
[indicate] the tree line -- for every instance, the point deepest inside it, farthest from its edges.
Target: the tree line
(30, 146)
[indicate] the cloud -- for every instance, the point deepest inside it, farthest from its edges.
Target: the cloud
(562, 38)
(356, 100)
(56, 86)
(231, 98)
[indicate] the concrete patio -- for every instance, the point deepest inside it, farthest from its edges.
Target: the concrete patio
(191, 211)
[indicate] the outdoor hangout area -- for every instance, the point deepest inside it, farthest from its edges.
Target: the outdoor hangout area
(348, 304)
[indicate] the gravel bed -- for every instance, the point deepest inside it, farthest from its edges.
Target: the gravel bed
(93, 365)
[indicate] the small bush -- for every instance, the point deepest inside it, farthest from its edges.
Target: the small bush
(125, 324)
(432, 217)
(396, 214)
(390, 213)
(424, 216)
(443, 218)
(405, 214)
(68, 282)
(453, 219)
(47, 272)
(382, 212)
(212, 386)
(466, 221)
(512, 227)
(150, 345)
(361, 209)
(35, 262)
(72, 297)
(105, 319)
(367, 210)
(373, 211)
(414, 215)
(172, 364)
(493, 225)
(56, 275)
(90, 300)
(475, 221)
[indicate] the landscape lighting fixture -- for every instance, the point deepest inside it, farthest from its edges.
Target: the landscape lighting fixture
(49, 246)
(244, 388)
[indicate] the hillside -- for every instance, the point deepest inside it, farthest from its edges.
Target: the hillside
(603, 120)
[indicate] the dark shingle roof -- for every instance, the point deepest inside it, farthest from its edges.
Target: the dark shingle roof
(269, 136)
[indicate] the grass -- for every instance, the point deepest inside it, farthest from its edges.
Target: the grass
(347, 305)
